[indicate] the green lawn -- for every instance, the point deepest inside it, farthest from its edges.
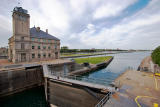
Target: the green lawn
(63, 55)
(74, 54)
(93, 60)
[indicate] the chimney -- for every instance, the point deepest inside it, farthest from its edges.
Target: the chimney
(47, 31)
(38, 29)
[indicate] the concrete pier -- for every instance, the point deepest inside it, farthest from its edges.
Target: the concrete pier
(19, 77)
(13, 81)
(137, 89)
(91, 68)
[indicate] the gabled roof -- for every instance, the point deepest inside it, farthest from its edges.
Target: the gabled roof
(41, 34)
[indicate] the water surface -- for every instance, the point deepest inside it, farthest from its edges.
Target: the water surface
(34, 97)
(119, 64)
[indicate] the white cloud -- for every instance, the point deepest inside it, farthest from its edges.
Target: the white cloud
(140, 31)
(5, 23)
(112, 8)
(76, 24)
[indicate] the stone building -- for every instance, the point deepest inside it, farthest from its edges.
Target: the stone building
(30, 44)
(3, 51)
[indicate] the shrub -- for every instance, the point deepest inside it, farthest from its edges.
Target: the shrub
(156, 56)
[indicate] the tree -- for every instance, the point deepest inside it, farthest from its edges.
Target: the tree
(64, 49)
(156, 56)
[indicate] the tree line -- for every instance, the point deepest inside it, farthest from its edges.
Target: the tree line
(65, 49)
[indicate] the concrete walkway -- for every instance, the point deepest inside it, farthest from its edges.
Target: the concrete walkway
(138, 89)
(8, 66)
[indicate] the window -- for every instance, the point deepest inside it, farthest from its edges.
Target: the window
(49, 55)
(32, 39)
(44, 40)
(39, 40)
(22, 38)
(44, 55)
(22, 46)
(49, 47)
(49, 41)
(39, 47)
(39, 55)
(33, 55)
(33, 47)
(44, 47)
(55, 46)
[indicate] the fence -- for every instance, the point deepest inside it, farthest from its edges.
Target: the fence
(104, 100)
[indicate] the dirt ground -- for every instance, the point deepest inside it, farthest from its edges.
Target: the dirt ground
(137, 89)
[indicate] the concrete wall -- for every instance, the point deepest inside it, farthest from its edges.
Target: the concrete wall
(64, 95)
(19, 80)
(156, 68)
(91, 68)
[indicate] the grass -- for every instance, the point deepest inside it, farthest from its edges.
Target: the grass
(93, 60)
(79, 54)
(74, 54)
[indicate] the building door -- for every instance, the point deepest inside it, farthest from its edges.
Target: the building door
(23, 57)
(56, 55)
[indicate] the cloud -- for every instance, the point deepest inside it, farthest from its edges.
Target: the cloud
(112, 8)
(91, 23)
(137, 31)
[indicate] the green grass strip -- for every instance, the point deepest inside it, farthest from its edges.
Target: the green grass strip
(93, 60)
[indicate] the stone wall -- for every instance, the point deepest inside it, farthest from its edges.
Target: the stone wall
(13, 81)
(148, 65)
(156, 68)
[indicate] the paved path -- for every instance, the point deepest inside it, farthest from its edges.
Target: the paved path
(8, 66)
(138, 89)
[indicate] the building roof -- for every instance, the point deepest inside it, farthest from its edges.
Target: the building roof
(41, 34)
(20, 9)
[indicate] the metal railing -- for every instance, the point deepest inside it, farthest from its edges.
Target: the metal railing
(104, 100)
(83, 78)
(90, 80)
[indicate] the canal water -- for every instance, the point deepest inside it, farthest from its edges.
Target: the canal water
(119, 64)
(35, 97)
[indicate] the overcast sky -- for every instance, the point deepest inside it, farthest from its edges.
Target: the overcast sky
(125, 24)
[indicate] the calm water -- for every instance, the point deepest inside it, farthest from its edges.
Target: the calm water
(119, 64)
(36, 98)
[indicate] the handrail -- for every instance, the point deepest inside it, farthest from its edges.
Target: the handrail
(81, 78)
(104, 100)
(92, 80)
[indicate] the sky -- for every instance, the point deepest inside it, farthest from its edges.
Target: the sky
(85, 24)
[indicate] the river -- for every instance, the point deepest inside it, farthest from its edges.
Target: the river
(35, 97)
